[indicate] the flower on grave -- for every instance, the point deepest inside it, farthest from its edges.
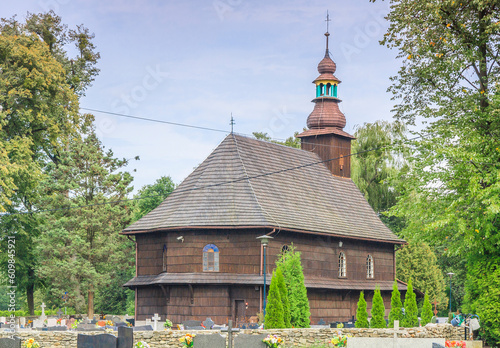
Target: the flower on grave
(167, 324)
(74, 325)
(31, 343)
(340, 326)
(45, 321)
(187, 340)
(109, 323)
(461, 344)
(141, 344)
(340, 340)
(58, 321)
(272, 341)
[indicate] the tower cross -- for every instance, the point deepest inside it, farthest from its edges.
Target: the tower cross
(327, 20)
(232, 123)
(327, 33)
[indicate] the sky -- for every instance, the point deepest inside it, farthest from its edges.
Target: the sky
(199, 62)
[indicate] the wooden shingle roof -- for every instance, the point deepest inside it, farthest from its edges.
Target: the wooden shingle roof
(246, 183)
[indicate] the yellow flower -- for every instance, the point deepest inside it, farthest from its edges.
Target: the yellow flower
(448, 25)
(477, 231)
(409, 57)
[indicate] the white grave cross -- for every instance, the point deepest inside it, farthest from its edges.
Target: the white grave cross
(156, 318)
(396, 328)
(43, 317)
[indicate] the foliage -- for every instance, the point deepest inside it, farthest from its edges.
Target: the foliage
(417, 261)
(272, 341)
(377, 172)
(274, 307)
(483, 292)
(410, 318)
(290, 264)
(290, 141)
(150, 196)
(284, 297)
(461, 344)
(187, 340)
(167, 323)
(378, 310)
(81, 247)
(141, 344)
(361, 312)
(396, 312)
(450, 80)
(427, 314)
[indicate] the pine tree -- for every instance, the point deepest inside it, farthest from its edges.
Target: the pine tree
(410, 318)
(361, 312)
(378, 310)
(284, 297)
(274, 308)
(297, 292)
(426, 311)
(396, 312)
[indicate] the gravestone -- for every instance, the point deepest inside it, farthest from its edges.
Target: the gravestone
(189, 323)
(249, 341)
(120, 323)
(208, 323)
(321, 322)
(125, 337)
(43, 316)
(10, 342)
(37, 323)
(143, 328)
(59, 313)
(22, 321)
(3, 320)
(57, 328)
(88, 327)
(209, 341)
(156, 318)
(437, 345)
(51, 322)
(96, 341)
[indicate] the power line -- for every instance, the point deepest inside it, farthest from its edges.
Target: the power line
(212, 185)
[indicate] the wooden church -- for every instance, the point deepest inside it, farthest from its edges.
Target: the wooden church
(198, 256)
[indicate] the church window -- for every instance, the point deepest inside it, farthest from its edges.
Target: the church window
(210, 258)
(164, 258)
(322, 88)
(329, 89)
(285, 248)
(342, 265)
(369, 267)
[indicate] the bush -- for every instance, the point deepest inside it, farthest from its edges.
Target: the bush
(396, 312)
(410, 318)
(378, 310)
(426, 311)
(274, 307)
(361, 312)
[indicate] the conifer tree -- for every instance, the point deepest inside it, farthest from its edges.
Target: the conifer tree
(410, 318)
(396, 312)
(284, 297)
(378, 310)
(426, 311)
(361, 312)
(297, 292)
(274, 308)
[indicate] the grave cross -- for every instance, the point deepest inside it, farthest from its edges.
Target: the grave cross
(435, 303)
(59, 313)
(156, 318)
(43, 309)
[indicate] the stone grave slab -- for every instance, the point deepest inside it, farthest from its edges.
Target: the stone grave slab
(10, 342)
(191, 323)
(3, 320)
(22, 321)
(37, 323)
(96, 341)
(249, 341)
(437, 345)
(51, 322)
(143, 328)
(209, 341)
(371, 342)
(208, 323)
(88, 327)
(120, 323)
(125, 337)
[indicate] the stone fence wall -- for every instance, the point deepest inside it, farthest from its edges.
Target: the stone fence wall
(292, 337)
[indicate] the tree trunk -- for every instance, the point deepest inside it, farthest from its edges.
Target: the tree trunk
(30, 289)
(91, 302)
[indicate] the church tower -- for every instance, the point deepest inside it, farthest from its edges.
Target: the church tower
(325, 135)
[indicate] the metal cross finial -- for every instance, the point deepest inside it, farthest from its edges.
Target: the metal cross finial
(327, 20)
(232, 123)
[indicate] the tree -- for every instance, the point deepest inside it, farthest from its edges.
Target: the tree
(396, 312)
(284, 297)
(426, 311)
(449, 82)
(293, 273)
(378, 310)
(361, 312)
(151, 196)
(417, 261)
(410, 318)
(274, 308)
(380, 158)
(80, 245)
(290, 141)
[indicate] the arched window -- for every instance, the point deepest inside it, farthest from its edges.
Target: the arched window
(328, 89)
(369, 267)
(285, 248)
(210, 258)
(322, 88)
(164, 257)
(342, 265)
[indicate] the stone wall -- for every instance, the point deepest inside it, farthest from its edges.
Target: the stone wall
(292, 337)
